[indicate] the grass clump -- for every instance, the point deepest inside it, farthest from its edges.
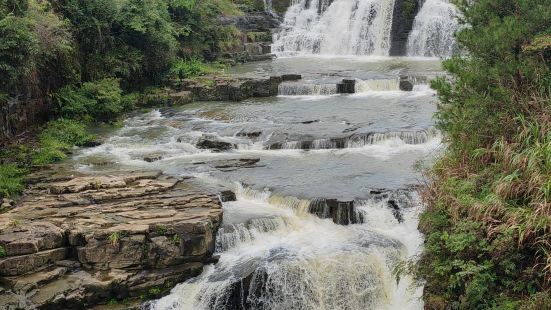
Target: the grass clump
(2, 252)
(488, 216)
(11, 180)
(162, 230)
(115, 238)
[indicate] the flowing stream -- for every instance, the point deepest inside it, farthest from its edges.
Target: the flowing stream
(326, 212)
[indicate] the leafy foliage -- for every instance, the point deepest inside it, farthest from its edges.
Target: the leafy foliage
(488, 219)
(100, 100)
(58, 138)
(11, 180)
(182, 69)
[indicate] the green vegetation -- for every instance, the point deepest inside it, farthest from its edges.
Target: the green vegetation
(162, 230)
(101, 100)
(88, 61)
(113, 302)
(182, 69)
(154, 292)
(115, 237)
(176, 240)
(15, 222)
(2, 252)
(409, 7)
(11, 180)
(488, 220)
(58, 138)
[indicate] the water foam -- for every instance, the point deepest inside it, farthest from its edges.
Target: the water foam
(340, 27)
(433, 30)
(298, 262)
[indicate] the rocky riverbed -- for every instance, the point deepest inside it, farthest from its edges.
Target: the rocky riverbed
(80, 240)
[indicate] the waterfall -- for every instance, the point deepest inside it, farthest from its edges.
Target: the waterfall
(233, 235)
(363, 86)
(341, 27)
(433, 30)
(408, 137)
(302, 89)
(359, 140)
(289, 261)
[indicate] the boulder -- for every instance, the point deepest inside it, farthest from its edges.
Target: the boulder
(346, 87)
(291, 77)
(152, 158)
(214, 145)
(28, 238)
(249, 134)
(22, 264)
(234, 89)
(341, 212)
(406, 85)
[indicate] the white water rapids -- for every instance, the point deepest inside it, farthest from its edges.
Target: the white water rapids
(433, 30)
(341, 27)
(299, 261)
(363, 27)
(325, 214)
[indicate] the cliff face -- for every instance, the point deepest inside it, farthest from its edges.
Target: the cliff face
(73, 242)
(402, 23)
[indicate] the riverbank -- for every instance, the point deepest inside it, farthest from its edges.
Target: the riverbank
(77, 240)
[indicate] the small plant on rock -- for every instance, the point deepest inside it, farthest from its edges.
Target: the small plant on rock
(115, 237)
(2, 252)
(15, 222)
(162, 230)
(154, 291)
(176, 240)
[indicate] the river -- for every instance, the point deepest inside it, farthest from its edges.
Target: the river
(327, 210)
(295, 155)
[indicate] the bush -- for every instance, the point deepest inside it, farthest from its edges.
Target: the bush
(98, 101)
(488, 242)
(11, 180)
(183, 69)
(58, 139)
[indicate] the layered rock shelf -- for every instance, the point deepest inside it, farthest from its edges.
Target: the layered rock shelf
(234, 89)
(73, 242)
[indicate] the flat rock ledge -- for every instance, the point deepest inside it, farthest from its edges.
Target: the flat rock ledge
(226, 88)
(75, 242)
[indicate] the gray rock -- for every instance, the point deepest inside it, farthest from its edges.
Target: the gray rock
(87, 239)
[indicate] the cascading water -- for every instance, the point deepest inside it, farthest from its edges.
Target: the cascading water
(361, 140)
(363, 86)
(340, 27)
(284, 258)
(323, 229)
(433, 30)
(302, 89)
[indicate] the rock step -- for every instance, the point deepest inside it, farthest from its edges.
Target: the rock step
(71, 241)
(235, 89)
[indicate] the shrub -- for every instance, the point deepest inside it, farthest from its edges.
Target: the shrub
(11, 180)
(184, 69)
(488, 198)
(58, 138)
(99, 101)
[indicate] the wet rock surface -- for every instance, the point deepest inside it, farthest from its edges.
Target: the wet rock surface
(234, 89)
(76, 241)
